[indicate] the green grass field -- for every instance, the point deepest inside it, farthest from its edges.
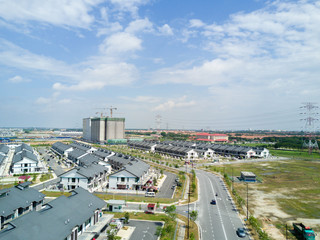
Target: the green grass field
(293, 184)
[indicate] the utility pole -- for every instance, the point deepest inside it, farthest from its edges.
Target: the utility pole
(247, 203)
(232, 181)
(188, 200)
(286, 231)
(188, 211)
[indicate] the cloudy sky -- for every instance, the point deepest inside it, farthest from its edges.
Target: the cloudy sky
(199, 64)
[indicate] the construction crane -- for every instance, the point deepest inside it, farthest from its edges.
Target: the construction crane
(110, 108)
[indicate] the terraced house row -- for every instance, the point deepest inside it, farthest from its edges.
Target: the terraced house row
(97, 169)
(194, 150)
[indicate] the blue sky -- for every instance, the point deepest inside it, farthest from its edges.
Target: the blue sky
(205, 64)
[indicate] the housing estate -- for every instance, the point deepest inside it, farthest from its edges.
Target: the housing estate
(17, 201)
(65, 218)
(195, 150)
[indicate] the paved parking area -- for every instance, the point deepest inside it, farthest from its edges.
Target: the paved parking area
(166, 191)
(144, 230)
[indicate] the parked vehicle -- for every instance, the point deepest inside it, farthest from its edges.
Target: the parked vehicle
(150, 194)
(305, 232)
(241, 232)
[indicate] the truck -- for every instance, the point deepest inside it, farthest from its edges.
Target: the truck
(306, 233)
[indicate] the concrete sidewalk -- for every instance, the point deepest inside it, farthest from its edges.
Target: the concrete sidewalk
(182, 229)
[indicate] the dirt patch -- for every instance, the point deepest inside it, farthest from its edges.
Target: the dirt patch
(265, 208)
(265, 205)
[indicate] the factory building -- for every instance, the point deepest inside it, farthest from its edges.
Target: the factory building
(102, 129)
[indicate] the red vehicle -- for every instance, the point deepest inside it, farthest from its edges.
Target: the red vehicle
(151, 208)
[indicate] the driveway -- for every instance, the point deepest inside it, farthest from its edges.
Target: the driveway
(144, 230)
(166, 191)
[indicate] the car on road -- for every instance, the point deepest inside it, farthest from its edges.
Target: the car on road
(241, 232)
(173, 187)
(213, 202)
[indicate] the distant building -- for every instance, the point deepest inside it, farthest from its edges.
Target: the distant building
(212, 137)
(87, 129)
(102, 129)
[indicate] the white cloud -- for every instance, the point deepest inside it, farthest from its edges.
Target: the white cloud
(142, 99)
(120, 43)
(43, 100)
(174, 103)
(112, 28)
(102, 75)
(196, 23)
(53, 100)
(96, 73)
(131, 6)
(255, 50)
(165, 30)
(139, 25)
(71, 13)
(14, 56)
(18, 79)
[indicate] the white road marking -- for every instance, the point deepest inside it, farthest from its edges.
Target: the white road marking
(224, 231)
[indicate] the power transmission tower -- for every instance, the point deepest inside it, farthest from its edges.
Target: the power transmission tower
(309, 114)
(158, 122)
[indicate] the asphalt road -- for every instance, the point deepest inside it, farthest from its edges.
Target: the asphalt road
(220, 221)
(52, 162)
(144, 230)
(165, 190)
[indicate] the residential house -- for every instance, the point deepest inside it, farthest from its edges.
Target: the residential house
(132, 176)
(61, 149)
(91, 178)
(4, 150)
(17, 201)
(76, 154)
(78, 216)
(25, 162)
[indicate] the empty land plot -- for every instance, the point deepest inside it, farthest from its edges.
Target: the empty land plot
(289, 191)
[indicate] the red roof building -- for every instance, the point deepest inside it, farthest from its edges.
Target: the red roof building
(217, 137)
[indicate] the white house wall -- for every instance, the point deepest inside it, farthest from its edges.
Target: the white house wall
(115, 179)
(19, 167)
(80, 181)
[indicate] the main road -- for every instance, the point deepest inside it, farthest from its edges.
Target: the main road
(216, 222)
(220, 221)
